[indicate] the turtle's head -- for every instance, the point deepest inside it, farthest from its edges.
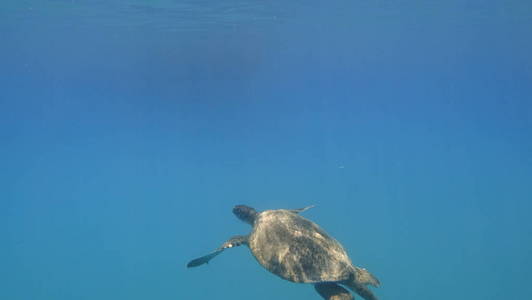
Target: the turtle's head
(245, 213)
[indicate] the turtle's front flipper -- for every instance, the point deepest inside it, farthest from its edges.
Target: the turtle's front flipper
(237, 240)
(300, 210)
(332, 291)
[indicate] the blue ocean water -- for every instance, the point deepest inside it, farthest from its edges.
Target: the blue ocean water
(130, 128)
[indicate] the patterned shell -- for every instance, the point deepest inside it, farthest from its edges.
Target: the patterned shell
(297, 249)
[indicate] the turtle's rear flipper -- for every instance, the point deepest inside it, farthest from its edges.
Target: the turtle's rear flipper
(332, 291)
(237, 240)
(365, 277)
(360, 289)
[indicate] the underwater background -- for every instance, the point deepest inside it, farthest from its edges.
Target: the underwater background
(129, 129)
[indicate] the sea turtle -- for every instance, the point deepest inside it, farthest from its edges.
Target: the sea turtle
(298, 250)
